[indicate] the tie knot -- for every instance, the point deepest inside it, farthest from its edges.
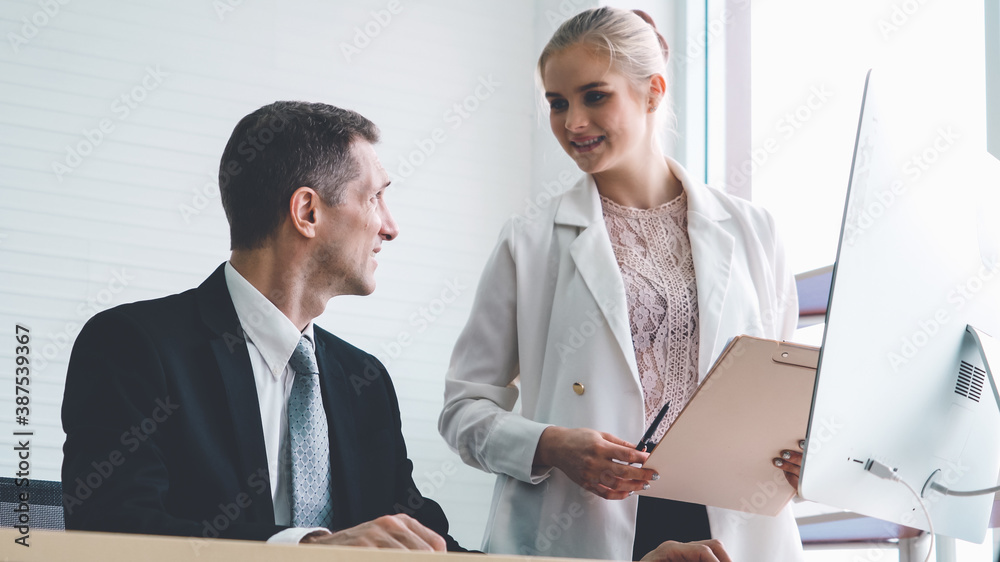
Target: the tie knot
(302, 360)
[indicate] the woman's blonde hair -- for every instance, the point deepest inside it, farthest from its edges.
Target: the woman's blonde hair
(629, 38)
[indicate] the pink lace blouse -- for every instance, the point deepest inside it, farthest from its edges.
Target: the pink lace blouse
(654, 256)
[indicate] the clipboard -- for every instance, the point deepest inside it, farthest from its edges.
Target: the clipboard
(753, 403)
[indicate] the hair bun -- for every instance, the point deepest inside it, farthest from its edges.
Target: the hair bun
(663, 42)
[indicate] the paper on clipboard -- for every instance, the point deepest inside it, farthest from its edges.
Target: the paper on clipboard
(754, 403)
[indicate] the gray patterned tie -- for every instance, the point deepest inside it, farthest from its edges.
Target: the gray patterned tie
(309, 442)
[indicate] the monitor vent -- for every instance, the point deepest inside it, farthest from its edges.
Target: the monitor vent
(970, 381)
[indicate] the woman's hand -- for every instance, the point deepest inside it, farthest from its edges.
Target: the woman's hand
(700, 551)
(791, 462)
(589, 458)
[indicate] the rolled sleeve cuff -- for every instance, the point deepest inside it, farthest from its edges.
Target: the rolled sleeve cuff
(514, 440)
(293, 535)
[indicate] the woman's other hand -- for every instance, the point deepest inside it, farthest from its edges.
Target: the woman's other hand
(598, 462)
(791, 462)
(700, 551)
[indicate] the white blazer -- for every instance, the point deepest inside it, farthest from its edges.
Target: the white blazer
(550, 311)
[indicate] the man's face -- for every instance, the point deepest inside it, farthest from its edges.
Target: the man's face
(352, 232)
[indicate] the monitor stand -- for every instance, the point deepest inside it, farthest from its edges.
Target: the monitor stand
(989, 351)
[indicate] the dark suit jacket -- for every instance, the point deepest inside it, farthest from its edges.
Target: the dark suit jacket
(164, 436)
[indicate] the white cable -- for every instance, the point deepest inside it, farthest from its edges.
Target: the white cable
(883, 471)
(939, 488)
(927, 514)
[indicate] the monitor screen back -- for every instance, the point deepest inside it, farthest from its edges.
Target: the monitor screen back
(917, 262)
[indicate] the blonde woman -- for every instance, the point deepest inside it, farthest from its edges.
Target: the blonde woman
(613, 301)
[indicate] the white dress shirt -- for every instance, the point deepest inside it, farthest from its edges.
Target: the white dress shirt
(271, 338)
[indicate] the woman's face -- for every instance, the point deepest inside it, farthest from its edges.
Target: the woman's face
(595, 113)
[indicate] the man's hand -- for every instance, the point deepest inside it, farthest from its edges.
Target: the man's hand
(700, 551)
(388, 531)
(597, 462)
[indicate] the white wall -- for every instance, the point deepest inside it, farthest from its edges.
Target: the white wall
(139, 216)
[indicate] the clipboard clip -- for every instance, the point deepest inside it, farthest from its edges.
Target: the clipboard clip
(646, 443)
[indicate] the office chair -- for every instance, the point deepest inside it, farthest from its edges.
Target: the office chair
(45, 508)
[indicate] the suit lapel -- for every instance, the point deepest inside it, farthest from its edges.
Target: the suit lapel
(343, 437)
(231, 356)
(712, 249)
(594, 258)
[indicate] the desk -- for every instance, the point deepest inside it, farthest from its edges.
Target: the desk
(827, 526)
(75, 546)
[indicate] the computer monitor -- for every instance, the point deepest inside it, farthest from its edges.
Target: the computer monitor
(992, 16)
(900, 379)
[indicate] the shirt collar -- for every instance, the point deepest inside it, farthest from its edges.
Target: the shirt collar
(264, 324)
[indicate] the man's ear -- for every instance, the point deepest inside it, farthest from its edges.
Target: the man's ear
(303, 208)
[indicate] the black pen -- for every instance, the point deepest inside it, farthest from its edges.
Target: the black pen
(644, 443)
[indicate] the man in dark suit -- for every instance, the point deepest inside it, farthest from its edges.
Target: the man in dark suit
(223, 411)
